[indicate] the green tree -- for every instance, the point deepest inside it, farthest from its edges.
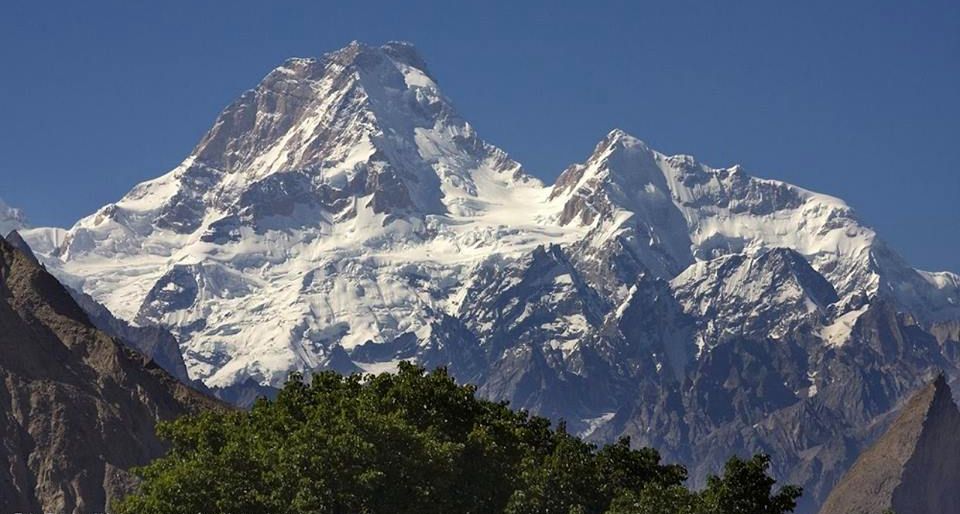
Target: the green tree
(746, 488)
(411, 442)
(562, 481)
(657, 499)
(626, 469)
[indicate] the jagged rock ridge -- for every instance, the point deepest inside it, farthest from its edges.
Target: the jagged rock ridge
(153, 342)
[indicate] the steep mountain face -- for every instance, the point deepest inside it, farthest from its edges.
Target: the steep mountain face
(670, 211)
(913, 467)
(154, 342)
(770, 293)
(16, 241)
(339, 202)
(77, 408)
(342, 215)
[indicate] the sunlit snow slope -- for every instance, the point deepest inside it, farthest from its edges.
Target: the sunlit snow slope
(343, 200)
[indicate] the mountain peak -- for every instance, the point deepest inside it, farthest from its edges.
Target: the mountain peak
(360, 127)
(288, 120)
(616, 142)
(615, 134)
(407, 53)
(360, 54)
(621, 137)
(595, 169)
(620, 168)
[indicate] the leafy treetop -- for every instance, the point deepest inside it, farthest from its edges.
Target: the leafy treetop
(416, 442)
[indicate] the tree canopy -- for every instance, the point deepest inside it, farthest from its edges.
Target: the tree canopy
(417, 442)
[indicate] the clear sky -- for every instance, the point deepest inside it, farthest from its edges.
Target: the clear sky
(856, 99)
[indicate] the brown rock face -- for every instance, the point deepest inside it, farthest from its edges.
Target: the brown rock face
(914, 468)
(77, 408)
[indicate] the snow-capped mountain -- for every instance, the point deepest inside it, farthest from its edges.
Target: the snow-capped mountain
(10, 219)
(338, 202)
(342, 215)
(678, 212)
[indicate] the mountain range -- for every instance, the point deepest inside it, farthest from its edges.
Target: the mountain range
(342, 215)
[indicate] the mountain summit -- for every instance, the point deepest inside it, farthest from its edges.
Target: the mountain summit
(346, 184)
(363, 128)
(342, 215)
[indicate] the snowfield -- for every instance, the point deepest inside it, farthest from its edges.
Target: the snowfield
(344, 201)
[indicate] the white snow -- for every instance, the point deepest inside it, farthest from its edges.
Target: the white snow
(307, 278)
(376, 368)
(838, 332)
(594, 424)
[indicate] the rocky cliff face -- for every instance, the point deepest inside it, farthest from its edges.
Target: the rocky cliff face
(342, 215)
(154, 342)
(77, 408)
(914, 467)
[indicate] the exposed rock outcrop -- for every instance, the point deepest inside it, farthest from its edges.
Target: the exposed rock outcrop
(152, 341)
(77, 408)
(914, 468)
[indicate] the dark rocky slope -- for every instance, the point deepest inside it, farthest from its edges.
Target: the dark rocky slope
(77, 408)
(153, 341)
(914, 468)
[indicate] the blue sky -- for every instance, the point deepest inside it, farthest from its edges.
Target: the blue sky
(855, 99)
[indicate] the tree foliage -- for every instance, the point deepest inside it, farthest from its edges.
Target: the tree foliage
(416, 442)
